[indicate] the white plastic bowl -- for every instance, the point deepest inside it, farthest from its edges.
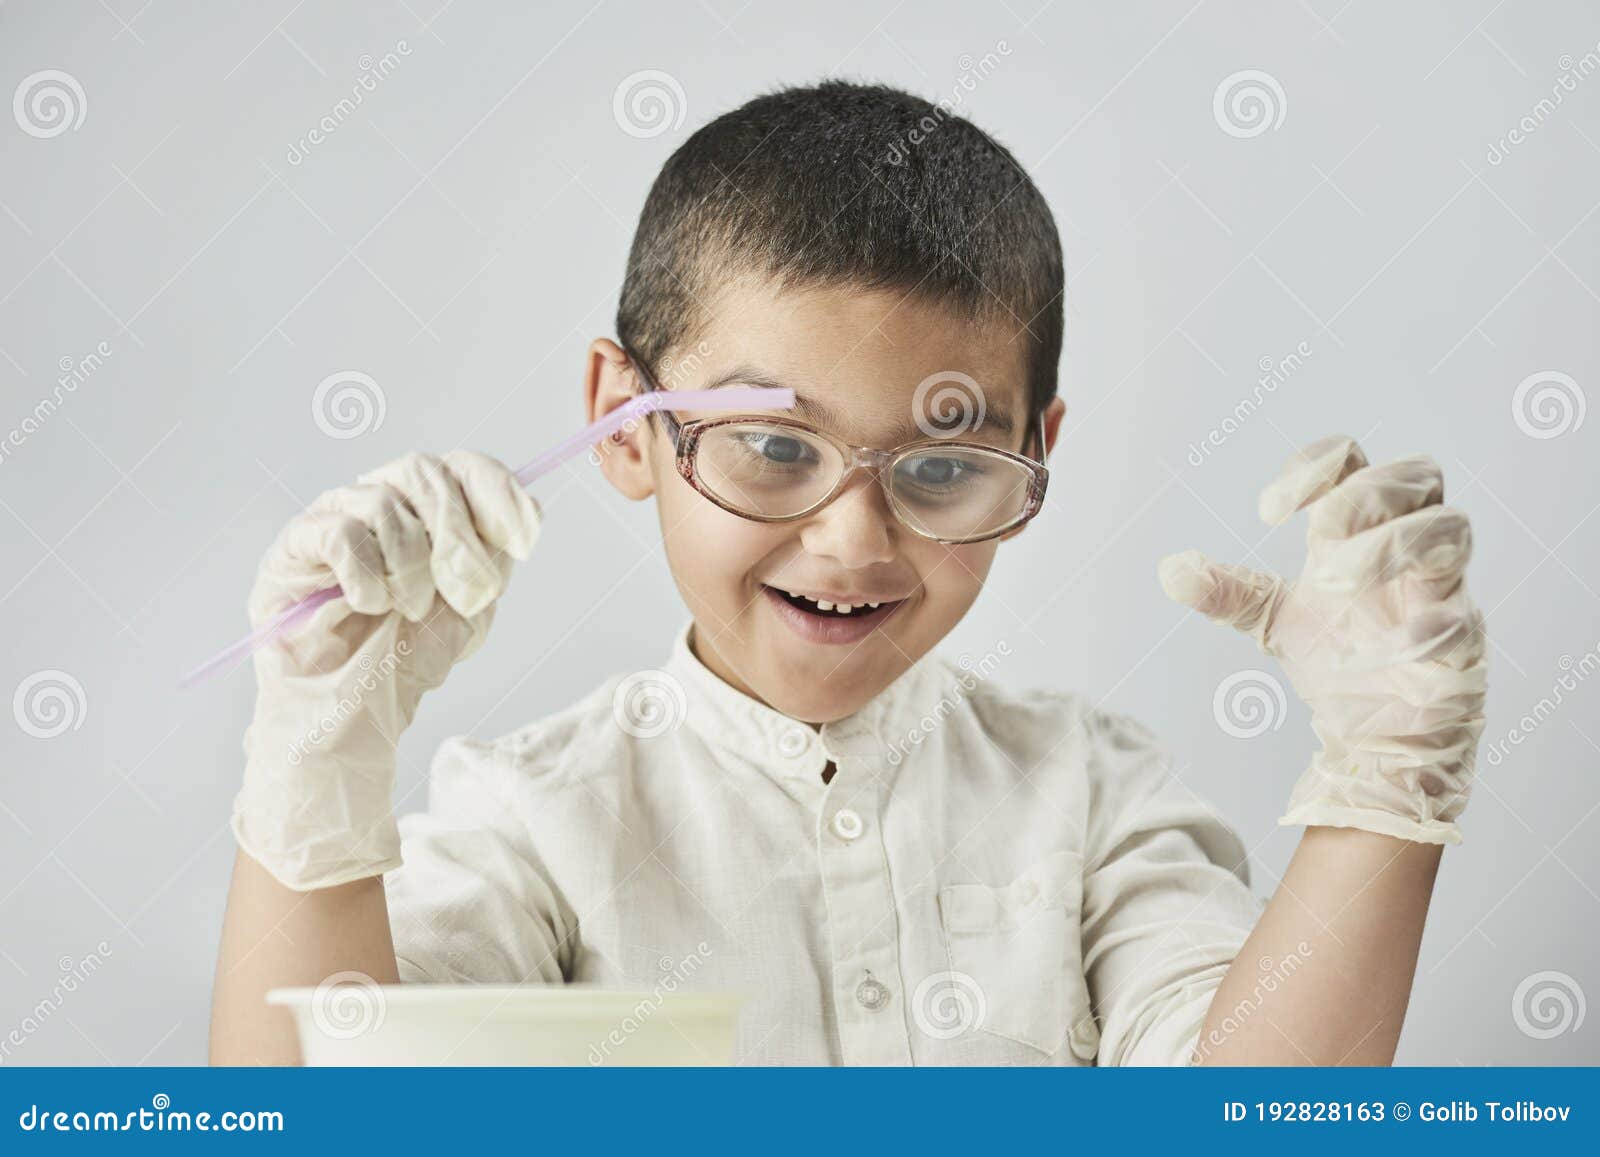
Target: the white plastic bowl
(349, 1020)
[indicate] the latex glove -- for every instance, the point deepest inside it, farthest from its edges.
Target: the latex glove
(422, 548)
(1378, 637)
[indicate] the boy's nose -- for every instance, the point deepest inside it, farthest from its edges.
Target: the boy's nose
(855, 529)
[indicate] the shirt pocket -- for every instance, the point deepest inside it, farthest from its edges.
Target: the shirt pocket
(1021, 945)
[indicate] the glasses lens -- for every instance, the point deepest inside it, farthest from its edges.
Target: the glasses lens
(957, 493)
(765, 469)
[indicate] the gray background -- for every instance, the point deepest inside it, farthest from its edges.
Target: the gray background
(460, 238)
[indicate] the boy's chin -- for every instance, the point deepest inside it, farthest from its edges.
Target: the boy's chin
(812, 709)
(819, 702)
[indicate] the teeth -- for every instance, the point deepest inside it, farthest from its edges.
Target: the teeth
(826, 605)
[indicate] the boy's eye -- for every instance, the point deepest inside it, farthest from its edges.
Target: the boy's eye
(935, 473)
(776, 448)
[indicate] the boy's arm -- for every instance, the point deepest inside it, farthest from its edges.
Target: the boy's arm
(1325, 976)
(1382, 642)
(420, 549)
(275, 937)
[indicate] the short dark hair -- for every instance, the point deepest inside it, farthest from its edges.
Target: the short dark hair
(841, 183)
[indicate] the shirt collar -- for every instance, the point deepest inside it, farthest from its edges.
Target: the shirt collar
(724, 717)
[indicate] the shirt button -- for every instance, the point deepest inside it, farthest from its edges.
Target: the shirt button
(871, 994)
(1027, 892)
(847, 824)
(1085, 1039)
(793, 742)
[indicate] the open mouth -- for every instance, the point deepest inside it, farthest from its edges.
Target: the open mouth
(821, 620)
(823, 607)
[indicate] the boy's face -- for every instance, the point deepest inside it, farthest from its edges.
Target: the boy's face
(854, 359)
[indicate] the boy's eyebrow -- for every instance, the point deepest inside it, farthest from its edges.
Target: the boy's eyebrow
(823, 415)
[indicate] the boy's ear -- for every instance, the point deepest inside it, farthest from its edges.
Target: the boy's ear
(609, 381)
(1053, 413)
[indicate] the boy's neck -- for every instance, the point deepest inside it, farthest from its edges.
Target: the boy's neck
(711, 659)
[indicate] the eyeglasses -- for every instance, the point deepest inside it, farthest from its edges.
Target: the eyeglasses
(778, 469)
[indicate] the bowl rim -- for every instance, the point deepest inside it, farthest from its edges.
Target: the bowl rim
(565, 999)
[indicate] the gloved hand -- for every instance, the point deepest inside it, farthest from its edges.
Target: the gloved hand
(1378, 636)
(420, 547)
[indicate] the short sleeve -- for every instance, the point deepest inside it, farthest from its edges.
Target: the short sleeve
(1167, 903)
(471, 902)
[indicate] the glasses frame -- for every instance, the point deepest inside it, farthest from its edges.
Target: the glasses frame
(686, 439)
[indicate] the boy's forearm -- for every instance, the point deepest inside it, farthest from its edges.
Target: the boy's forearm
(273, 937)
(1326, 975)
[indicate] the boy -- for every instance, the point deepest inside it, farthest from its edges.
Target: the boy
(1021, 885)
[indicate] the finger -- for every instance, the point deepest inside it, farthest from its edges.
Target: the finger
(1433, 544)
(1308, 475)
(286, 575)
(1375, 494)
(1468, 640)
(479, 624)
(320, 548)
(462, 565)
(506, 516)
(1244, 599)
(402, 539)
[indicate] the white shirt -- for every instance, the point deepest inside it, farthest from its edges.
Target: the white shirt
(989, 878)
